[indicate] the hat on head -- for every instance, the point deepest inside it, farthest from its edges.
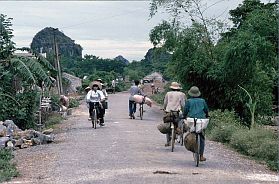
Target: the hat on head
(175, 85)
(96, 83)
(100, 80)
(194, 91)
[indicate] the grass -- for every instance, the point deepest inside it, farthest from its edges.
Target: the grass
(7, 169)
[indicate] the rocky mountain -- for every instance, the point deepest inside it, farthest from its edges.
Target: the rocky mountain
(121, 58)
(155, 54)
(43, 41)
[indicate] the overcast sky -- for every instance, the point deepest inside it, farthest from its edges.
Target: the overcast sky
(103, 28)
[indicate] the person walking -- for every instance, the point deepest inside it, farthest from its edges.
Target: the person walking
(134, 90)
(196, 107)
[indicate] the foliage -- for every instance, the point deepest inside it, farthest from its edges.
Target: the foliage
(258, 143)
(73, 103)
(245, 55)
(222, 125)
(122, 86)
(19, 78)
(7, 169)
(53, 119)
(6, 44)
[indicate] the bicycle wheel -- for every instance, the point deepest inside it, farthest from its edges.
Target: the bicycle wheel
(94, 119)
(141, 111)
(197, 151)
(172, 137)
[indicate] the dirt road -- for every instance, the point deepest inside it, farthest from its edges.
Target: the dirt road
(129, 151)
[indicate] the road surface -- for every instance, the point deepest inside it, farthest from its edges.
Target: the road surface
(129, 151)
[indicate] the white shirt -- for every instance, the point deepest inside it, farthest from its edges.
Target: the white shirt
(174, 101)
(93, 96)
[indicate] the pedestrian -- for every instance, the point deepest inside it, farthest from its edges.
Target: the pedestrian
(113, 85)
(134, 90)
(196, 107)
(174, 101)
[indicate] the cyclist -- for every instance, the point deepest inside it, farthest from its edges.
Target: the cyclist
(174, 101)
(134, 90)
(95, 96)
(196, 107)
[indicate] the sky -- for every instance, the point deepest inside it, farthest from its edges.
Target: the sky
(103, 28)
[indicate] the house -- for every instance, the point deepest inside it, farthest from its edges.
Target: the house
(153, 77)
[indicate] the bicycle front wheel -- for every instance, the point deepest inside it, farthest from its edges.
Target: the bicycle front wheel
(197, 151)
(141, 111)
(94, 119)
(172, 137)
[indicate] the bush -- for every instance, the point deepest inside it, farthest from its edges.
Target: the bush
(22, 112)
(53, 119)
(159, 98)
(258, 143)
(122, 86)
(222, 125)
(73, 103)
(7, 170)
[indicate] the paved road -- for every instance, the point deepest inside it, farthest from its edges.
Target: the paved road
(129, 151)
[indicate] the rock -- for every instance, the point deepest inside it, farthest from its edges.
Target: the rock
(9, 123)
(27, 134)
(3, 131)
(36, 141)
(1, 122)
(29, 142)
(24, 145)
(10, 144)
(48, 131)
(18, 142)
(3, 141)
(44, 139)
(11, 127)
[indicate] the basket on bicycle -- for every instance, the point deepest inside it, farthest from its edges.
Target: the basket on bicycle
(201, 124)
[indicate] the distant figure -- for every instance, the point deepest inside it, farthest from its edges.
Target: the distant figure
(134, 90)
(113, 86)
(152, 88)
(64, 102)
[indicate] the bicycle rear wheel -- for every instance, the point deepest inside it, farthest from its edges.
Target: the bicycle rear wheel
(197, 151)
(172, 137)
(141, 111)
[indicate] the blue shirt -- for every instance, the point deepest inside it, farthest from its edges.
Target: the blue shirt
(196, 108)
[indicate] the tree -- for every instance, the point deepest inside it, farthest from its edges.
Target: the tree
(14, 70)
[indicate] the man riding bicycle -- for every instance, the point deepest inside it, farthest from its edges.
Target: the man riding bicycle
(196, 107)
(174, 101)
(95, 97)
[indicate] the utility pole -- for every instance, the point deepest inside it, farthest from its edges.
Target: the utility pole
(57, 64)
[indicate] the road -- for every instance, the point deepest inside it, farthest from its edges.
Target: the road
(129, 151)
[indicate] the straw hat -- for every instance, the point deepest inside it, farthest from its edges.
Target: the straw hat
(175, 85)
(96, 83)
(194, 91)
(87, 88)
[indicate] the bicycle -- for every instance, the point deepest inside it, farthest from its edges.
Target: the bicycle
(94, 116)
(172, 126)
(197, 126)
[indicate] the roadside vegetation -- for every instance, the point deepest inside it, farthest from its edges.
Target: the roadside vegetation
(7, 168)
(235, 68)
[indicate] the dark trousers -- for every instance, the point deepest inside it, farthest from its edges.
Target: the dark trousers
(132, 107)
(100, 113)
